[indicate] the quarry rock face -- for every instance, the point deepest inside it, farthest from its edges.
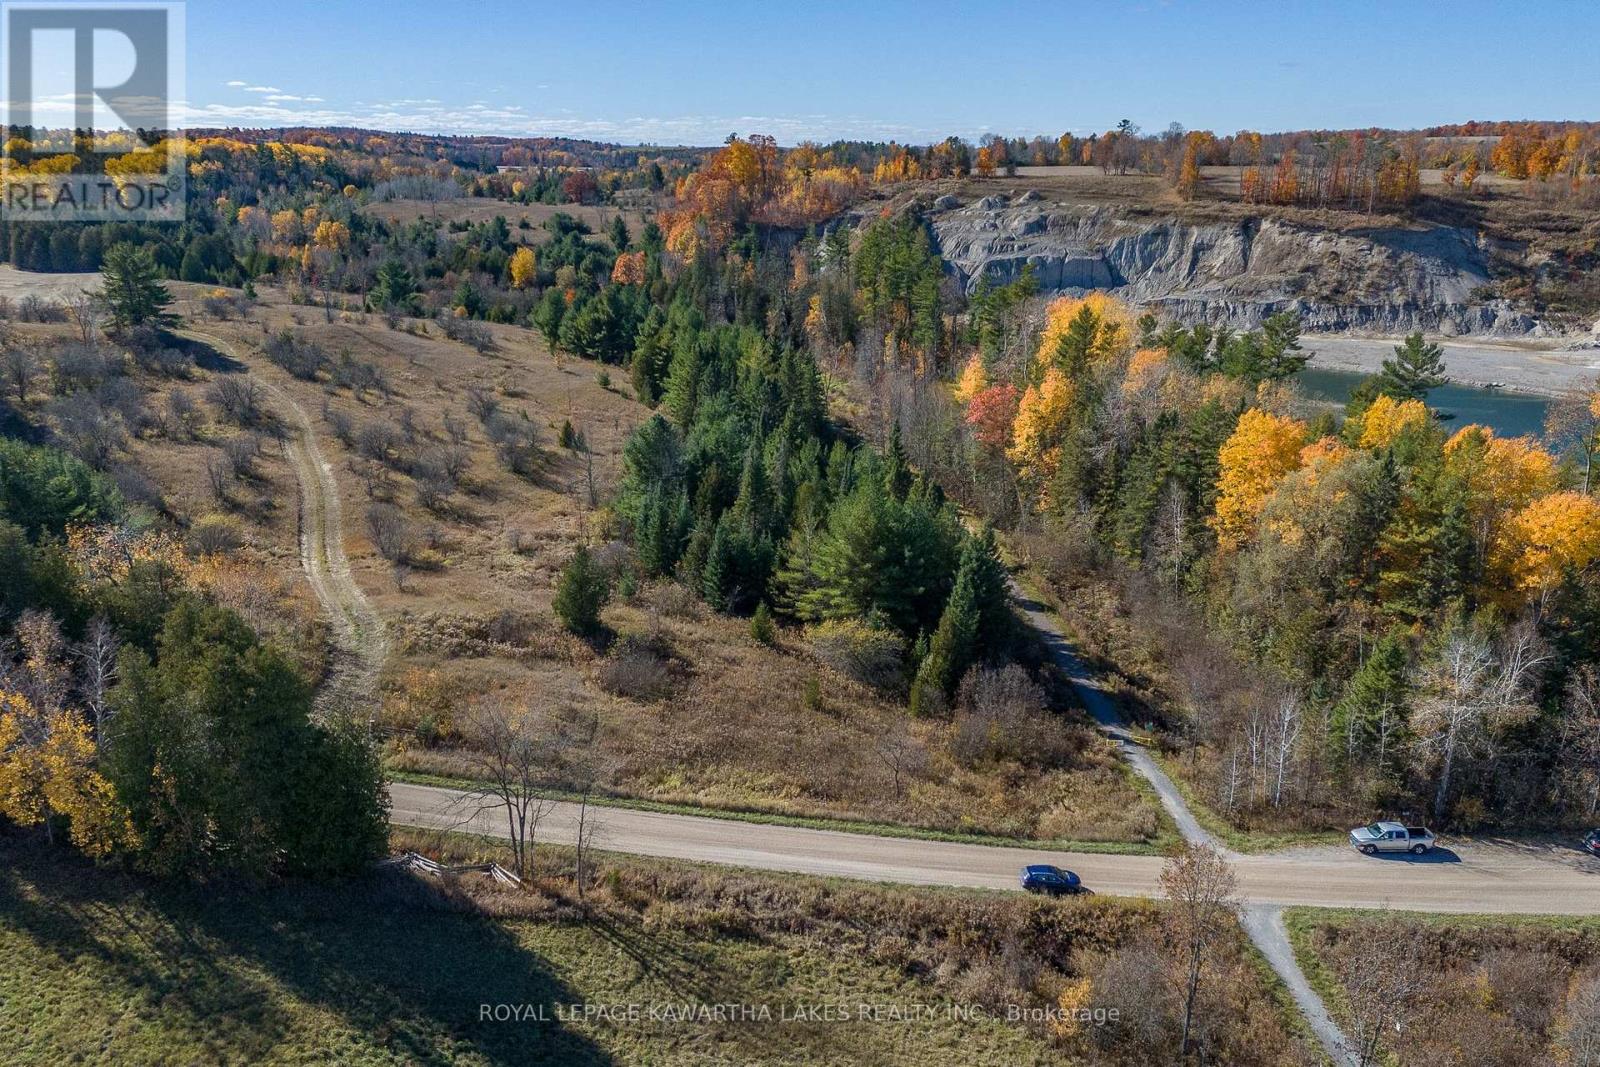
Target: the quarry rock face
(1383, 280)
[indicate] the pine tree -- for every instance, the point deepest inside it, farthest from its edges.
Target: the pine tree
(721, 567)
(132, 292)
(955, 642)
(896, 465)
(1416, 367)
(1365, 726)
(761, 628)
(680, 394)
(581, 591)
(396, 289)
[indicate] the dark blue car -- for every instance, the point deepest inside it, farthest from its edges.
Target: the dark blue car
(1053, 881)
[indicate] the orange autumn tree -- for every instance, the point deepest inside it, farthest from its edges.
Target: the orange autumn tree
(629, 269)
(1261, 451)
(749, 181)
(992, 414)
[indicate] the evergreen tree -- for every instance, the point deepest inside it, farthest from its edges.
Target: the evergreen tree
(549, 314)
(720, 568)
(1416, 367)
(762, 629)
(896, 465)
(581, 591)
(132, 293)
(395, 289)
(955, 642)
(1365, 728)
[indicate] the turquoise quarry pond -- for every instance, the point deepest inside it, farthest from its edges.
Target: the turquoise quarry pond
(1508, 414)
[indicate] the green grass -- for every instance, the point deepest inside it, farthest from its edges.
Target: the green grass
(101, 967)
(851, 826)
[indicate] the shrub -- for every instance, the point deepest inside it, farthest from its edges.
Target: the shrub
(303, 359)
(213, 534)
(867, 654)
(638, 669)
(1003, 714)
(390, 532)
(239, 399)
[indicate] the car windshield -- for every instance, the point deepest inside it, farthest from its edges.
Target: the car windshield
(1375, 830)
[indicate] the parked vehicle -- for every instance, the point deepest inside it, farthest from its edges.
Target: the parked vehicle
(1052, 881)
(1392, 837)
(1591, 844)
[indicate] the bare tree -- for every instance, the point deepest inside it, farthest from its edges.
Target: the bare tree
(97, 670)
(1468, 691)
(19, 367)
(86, 313)
(1201, 891)
(509, 752)
(899, 754)
(1287, 719)
(1381, 987)
(240, 399)
(390, 532)
(582, 767)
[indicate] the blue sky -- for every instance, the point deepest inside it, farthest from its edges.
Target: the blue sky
(692, 72)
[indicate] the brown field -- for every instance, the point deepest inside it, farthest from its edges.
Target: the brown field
(692, 709)
(1508, 990)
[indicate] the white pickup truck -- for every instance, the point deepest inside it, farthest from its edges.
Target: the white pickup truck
(1392, 837)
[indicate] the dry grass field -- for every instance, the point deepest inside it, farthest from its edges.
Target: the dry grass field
(692, 710)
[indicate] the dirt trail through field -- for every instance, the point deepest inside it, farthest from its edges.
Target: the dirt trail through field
(362, 640)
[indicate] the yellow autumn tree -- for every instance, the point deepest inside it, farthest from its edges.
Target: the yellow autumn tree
(1070, 1006)
(332, 235)
(1144, 367)
(1549, 538)
(1503, 475)
(47, 770)
(974, 380)
(1041, 424)
(1388, 418)
(1262, 450)
(1098, 324)
(524, 267)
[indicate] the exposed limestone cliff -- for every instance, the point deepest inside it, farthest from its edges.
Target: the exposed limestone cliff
(1382, 280)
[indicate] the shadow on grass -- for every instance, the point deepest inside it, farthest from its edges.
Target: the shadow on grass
(361, 967)
(206, 356)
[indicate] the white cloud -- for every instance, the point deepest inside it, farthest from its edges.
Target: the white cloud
(236, 84)
(262, 89)
(429, 115)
